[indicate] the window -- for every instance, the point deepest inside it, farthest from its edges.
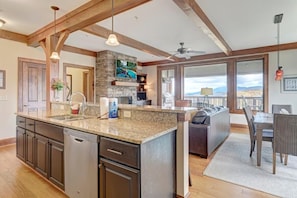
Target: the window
(213, 76)
(235, 82)
(249, 84)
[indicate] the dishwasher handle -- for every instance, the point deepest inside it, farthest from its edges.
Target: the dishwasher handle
(78, 140)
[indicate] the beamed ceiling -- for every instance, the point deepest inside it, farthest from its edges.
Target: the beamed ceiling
(152, 30)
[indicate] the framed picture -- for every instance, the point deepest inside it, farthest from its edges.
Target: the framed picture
(2, 79)
(289, 84)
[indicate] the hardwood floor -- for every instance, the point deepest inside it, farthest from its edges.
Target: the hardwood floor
(207, 187)
(19, 181)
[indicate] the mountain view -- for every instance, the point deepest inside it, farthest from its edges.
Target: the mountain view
(253, 91)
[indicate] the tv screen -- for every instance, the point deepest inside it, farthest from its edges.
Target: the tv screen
(125, 69)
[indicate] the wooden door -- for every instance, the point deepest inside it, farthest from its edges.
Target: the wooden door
(169, 85)
(88, 85)
(32, 85)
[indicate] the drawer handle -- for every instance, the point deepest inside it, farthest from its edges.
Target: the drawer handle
(115, 152)
(21, 121)
(31, 124)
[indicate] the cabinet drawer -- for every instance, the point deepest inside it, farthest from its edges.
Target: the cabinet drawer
(30, 124)
(21, 121)
(49, 130)
(123, 152)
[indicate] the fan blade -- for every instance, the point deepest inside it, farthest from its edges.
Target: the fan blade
(195, 52)
(187, 56)
(171, 57)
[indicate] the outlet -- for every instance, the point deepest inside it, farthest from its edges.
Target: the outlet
(3, 98)
(127, 114)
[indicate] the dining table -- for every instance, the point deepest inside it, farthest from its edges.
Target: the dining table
(262, 121)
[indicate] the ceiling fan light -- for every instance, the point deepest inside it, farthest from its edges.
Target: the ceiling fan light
(112, 40)
(55, 56)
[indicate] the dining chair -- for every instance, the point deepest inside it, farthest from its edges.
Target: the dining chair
(267, 134)
(285, 136)
(281, 108)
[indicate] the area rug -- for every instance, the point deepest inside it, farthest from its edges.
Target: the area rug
(232, 163)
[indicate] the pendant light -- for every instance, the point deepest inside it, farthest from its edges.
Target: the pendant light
(279, 72)
(112, 38)
(55, 55)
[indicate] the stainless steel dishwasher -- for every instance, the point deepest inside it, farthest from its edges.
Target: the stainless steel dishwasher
(81, 164)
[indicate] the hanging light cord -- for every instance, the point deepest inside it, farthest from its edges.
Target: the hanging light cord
(55, 25)
(278, 45)
(112, 16)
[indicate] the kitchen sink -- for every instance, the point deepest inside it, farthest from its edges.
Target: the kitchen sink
(69, 117)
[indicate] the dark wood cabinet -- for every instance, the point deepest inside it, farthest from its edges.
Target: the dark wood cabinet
(130, 170)
(30, 149)
(41, 146)
(25, 140)
(56, 163)
(50, 152)
(41, 166)
(117, 180)
(20, 143)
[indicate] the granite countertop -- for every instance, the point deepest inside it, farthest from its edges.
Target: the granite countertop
(137, 132)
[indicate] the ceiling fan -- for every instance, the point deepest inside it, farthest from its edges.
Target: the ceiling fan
(183, 52)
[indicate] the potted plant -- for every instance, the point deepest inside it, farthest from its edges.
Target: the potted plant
(57, 85)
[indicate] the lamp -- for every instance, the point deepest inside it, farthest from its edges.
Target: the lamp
(206, 92)
(55, 55)
(279, 72)
(2, 22)
(112, 38)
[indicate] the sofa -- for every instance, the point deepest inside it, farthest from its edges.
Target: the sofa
(208, 128)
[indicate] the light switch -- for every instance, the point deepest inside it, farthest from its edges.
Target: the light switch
(127, 114)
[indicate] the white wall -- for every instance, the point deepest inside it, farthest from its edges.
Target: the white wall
(151, 81)
(77, 73)
(288, 59)
(10, 52)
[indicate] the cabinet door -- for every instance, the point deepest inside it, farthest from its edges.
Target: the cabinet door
(20, 143)
(117, 180)
(30, 148)
(56, 163)
(41, 144)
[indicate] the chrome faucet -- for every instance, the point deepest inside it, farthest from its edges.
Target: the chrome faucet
(83, 106)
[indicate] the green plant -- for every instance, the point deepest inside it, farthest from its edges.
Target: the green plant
(57, 84)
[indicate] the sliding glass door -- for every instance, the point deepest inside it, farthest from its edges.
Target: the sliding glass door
(168, 89)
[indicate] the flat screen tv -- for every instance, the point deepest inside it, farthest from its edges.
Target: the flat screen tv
(125, 70)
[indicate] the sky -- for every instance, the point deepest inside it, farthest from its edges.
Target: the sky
(195, 84)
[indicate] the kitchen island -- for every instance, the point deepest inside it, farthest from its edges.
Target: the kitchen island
(133, 129)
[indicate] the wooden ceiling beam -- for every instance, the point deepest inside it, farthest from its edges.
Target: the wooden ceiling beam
(62, 38)
(13, 36)
(244, 52)
(104, 32)
(87, 14)
(76, 50)
(195, 13)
